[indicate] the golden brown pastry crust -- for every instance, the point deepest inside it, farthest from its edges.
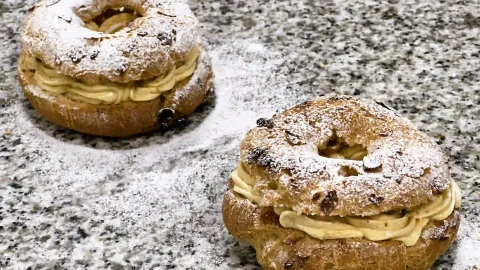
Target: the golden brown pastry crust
(55, 32)
(404, 168)
(124, 119)
(283, 248)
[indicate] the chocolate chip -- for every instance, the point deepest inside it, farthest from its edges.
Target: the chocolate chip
(165, 116)
(265, 122)
(166, 39)
(383, 105)
(398, 179)
(259, 156)
(293, 139)
(142, 34)
(94, 54)
(32, 8)
(329, 202)
(199, 81)
(377, 200)
(316, 196)
(383, 134)
(76, 56)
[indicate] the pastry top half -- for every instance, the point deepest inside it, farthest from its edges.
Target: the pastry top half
(342, 156)
(67, 37)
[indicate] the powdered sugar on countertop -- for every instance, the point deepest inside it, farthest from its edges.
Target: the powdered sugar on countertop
(71, 201)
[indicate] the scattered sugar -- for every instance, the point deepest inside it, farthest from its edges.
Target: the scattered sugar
(106, 187)
(155, 194)
(467, 246)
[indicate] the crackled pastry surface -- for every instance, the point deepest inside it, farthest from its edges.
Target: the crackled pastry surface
(342, 167)
(122, 49)
(122, 26)
(393, 165)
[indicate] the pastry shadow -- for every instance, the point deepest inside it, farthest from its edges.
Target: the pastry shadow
(446, 258)
(69, 136)
(243, 256)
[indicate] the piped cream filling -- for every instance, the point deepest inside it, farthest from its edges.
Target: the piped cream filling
(112, 93)
(405, 226)
(113, 24)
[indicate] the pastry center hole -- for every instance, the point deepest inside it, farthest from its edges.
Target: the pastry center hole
(113, 20)
(339, 149)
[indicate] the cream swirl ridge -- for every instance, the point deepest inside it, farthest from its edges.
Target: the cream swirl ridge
(112, 93)
(405, 226)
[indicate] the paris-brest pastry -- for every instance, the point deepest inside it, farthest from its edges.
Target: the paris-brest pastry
(342, 183)
(114, 67)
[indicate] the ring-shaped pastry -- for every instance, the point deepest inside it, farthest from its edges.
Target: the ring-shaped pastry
(342, 183)
(114, 68)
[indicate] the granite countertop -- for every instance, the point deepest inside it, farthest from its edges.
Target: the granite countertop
(69, 201)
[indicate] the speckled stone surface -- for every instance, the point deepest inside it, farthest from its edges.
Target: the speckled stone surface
(69, 201)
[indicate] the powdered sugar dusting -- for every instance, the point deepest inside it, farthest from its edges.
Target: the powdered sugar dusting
(465, 250)
(419, 58)
(412, 168)
(56, 34)
(157, 197)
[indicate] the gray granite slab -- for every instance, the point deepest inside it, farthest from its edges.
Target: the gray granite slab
(70, 201)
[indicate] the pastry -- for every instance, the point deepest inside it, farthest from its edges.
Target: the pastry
(114, 67)
(342, 183)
